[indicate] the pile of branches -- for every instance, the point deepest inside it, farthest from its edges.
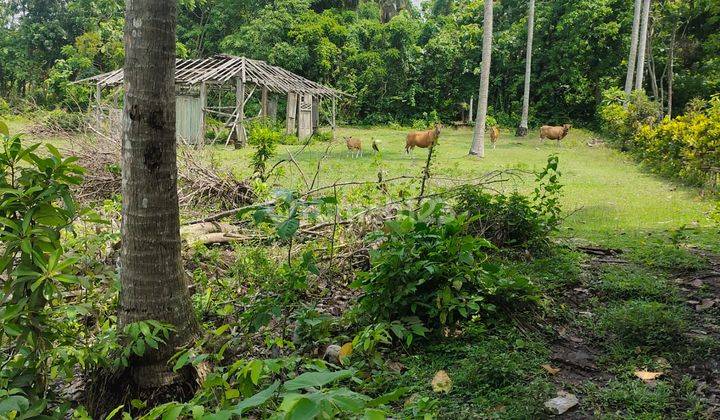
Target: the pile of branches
(199, 183)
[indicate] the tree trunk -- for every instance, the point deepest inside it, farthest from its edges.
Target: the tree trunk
(633, 48)
(478, 144)
(651, 64)
(523, 128)
(671, 60)
(151, 273)
(641, 48)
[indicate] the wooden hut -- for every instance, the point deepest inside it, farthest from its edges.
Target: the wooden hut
(198, 78)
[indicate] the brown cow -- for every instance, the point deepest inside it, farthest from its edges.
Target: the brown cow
(554, 132)
(423, 139)
(354, 146)
(494, 135)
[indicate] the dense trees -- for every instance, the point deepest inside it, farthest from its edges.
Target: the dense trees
(398, 70)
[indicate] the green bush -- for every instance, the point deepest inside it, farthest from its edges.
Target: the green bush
(686, 148)
(64, 121)
(641, 323)
(265, 140)
(323, 136)
(425, 265)
(36, 206)
(515, 220)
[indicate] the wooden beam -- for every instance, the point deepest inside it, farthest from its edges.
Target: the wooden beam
(203, 105)
(98, 98)
(334, 100)
(240, 100)
(264, 102)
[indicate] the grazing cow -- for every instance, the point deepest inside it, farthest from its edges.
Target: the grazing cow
(354, 146)
(376, 145)
(554, 132)
(423, 139)
(494, 135)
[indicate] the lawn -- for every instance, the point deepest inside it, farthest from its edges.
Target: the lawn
(606, 195)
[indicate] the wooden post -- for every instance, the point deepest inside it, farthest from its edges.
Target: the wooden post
(334, 100)
(470, 117)
(203, 104)
(264, 102)
(98, 97)
(240, 100)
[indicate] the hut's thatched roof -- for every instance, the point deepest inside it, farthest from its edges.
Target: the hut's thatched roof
(223, 68)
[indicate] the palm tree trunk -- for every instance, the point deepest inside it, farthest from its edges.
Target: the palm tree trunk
(671, 60)
(633, 48)
(478, 144)
(651, 64)
(641, 48)
(151, 273)
(523, 128)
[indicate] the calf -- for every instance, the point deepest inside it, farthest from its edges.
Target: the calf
(354, 146)
(494, 135)
(423, 139)
(554, 132)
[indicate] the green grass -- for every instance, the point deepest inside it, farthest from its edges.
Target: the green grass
(607, 198)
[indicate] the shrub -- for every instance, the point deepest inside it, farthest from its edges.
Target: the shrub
(515, 220)
(323, 136)
(640, 323)
(265, 139)
(426, 266)
(63, 121)
(686, 148)
(35, 208)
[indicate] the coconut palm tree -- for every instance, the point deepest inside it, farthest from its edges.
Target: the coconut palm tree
(642, 47)
(151, 274)
(522, 129)
(633, 48)
(478, 143)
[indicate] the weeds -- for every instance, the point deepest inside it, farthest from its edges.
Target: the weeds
(636, 323)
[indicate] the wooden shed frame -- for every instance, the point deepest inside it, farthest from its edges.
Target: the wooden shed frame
(248, 76)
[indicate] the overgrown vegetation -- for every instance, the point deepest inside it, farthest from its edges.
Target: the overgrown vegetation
(516, 220)
(684, 148)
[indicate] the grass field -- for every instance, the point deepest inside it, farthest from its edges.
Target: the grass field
(606, 195)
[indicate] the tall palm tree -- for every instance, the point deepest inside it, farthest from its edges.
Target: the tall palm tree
(639, 74)
(633, 48)
(522, 129)
(478, 143)
(151, 273)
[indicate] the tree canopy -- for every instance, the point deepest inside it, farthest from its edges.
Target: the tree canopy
(398, 61)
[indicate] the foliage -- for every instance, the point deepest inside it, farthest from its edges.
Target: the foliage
(61, 121)
(684, 148)
(620, 282)
(265, 139)
(250, 386)
(642, 323)
(424, 265)
(515, 220)
(398, 68)
(35, 208)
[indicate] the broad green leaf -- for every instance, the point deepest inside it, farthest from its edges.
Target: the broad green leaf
(15, 403)
(256, 400)
(316, 379)
(114, 412)
(4, 128)
(304, 409)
